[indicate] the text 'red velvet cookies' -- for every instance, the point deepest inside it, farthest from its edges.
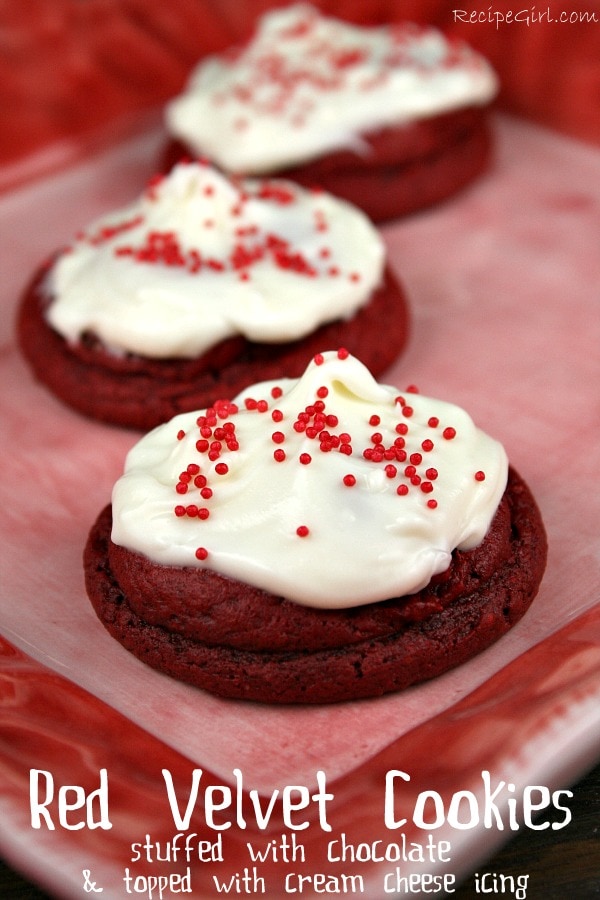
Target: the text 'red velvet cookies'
(315, 540)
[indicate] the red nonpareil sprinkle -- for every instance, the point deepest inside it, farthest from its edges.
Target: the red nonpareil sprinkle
(277, 415)
(374, 420)
(180, 435)
(206, 493)
(191, 510)
(416, 459)
(302, 531)
(343, 353)
(391, 471)
(203, 513)
(349, 480)
(407, 411)
(402, 428)
(179, 511)
(279, 455)
(276, 392)
(402, 490)
(202, 445)
(322, 391)
(480, 476)
(193, 468)
(432, 474)
(262, 406)
(319, 359)
(201, 553)
(181, 487)
(273, 190)
(305, 459)
(278, 437)
(200, 481)
(426, 487)
(427, 445)
(412, 389)
(221, 468)
(433, 422)
(449, 433)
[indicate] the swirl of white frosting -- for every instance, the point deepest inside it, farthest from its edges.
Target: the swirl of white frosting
(306, 85)
(331, 490)
(199, 258)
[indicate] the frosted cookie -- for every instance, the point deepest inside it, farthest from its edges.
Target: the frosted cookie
(314, 540)
(203, 286)
(392, 118)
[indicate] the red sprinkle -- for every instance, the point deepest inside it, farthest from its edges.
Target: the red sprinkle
(349, 480)
(480, 476)
(305, 458)
(201, 553)
(449, 433)
(302, 531)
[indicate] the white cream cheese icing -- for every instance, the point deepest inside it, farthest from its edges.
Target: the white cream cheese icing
(306, 85)
(331, 490)
(200, 258)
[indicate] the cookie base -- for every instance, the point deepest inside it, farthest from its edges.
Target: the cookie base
(400, 170)
(140, 393)
(416, 651)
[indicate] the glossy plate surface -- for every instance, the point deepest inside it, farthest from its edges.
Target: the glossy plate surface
(503, 284)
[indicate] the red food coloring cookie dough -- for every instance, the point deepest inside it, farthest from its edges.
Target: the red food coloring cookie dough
(281, 620)
(392, 119)
(193, 623)
(140, 390)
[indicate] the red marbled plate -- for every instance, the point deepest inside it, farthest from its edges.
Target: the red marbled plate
(503, 285)
(537, 721)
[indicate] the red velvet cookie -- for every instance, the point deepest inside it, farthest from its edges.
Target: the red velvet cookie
(140, 392)
(203, 286)
(241, 642)
(392, 118)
